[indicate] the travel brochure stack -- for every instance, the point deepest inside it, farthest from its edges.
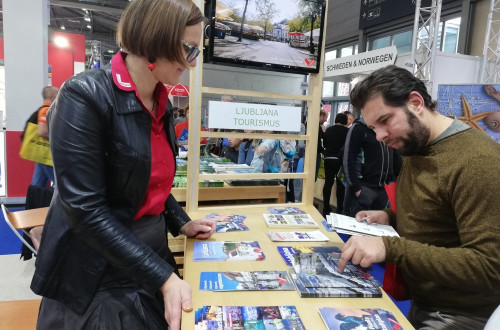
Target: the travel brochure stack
(247, 317)
(316, 275)
(348, 225)
(313, 272)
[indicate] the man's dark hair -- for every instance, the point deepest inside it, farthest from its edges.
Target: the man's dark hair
(341, 118)
(394, 84)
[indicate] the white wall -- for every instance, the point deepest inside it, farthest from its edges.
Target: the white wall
(451, 69)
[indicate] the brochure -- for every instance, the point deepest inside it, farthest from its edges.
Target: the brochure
(333, 292)
(316, 275)
(288, 252)
(227, 251)
(247, 317)
(228, 222)
(285, 210)
(337, 318)
(290, 220)
(296, 236)
(249, 281)
(349, 225)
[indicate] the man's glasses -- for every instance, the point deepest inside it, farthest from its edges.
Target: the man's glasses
(193, 51)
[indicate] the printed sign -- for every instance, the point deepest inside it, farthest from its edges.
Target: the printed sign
(362, 62)
(245, 116)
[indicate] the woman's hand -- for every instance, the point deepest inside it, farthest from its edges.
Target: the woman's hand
(373, 217)
(177, 298)
(201, 229)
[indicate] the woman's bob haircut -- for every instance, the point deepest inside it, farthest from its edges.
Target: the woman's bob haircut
(154, 28)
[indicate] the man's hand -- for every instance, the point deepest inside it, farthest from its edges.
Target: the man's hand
(201, 229)
(373, 217)
(177, 298)
(363, 251)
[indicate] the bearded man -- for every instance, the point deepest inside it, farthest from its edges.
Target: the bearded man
(447, 205)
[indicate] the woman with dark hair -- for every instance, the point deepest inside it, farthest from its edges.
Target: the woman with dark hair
(104, 261)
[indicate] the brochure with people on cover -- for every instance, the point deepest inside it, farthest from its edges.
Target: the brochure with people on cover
(227, 222)
(227, 251)
(246, 281)
(337, 318)
(247, 317)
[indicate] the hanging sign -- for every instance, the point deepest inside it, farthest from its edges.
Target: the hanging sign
(362, 62)
(246, 116)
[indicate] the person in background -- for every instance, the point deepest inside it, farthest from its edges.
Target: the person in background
(368, 166)
(181, 117)
(180, 127)
(227, 98)
(350, 118)
(447, 205)
(104, 260)
(334, 140)
(232, 151)
(267, 156)
(175, 112)
(44, 174)
(246, 150)
(323, 115)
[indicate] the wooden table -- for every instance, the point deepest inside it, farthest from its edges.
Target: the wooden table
(229, 192)
(307, 307)
(19, 315)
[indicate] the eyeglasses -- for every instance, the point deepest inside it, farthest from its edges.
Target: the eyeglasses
(193, 51)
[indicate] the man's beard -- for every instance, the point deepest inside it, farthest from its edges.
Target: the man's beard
(418, 135)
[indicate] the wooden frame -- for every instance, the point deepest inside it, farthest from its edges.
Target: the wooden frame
(314, 104)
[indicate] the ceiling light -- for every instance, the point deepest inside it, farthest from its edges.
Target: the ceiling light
(61, 42)
(87, 18)
(63, 27)
(89, 27)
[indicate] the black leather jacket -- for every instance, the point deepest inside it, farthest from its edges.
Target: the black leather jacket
(100, 141)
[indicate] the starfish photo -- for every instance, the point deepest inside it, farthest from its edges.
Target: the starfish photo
(471, 119)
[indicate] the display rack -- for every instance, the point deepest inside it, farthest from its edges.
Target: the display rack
(195, 134)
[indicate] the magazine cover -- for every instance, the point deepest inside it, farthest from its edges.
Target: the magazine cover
(228, 222)
(289, 220)
(297, 236)
(227, 251)
(251, 281)
(362, 319)
(326, 265)
(248, 317)
(288, 252)
(333, 292)
(285, 210)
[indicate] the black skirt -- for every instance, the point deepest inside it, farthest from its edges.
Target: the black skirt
(119, 302)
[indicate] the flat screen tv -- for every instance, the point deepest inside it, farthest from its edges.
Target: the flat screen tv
(278, 35)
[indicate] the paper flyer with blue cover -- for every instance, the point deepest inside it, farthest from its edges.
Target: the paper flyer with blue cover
(362, 319)
(248, 281)
(227, 251)
(248, 317)
(227, 222)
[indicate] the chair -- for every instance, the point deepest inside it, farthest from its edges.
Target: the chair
(25, 220)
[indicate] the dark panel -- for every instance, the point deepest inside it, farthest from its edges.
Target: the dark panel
(374, 12)
(342, 21)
